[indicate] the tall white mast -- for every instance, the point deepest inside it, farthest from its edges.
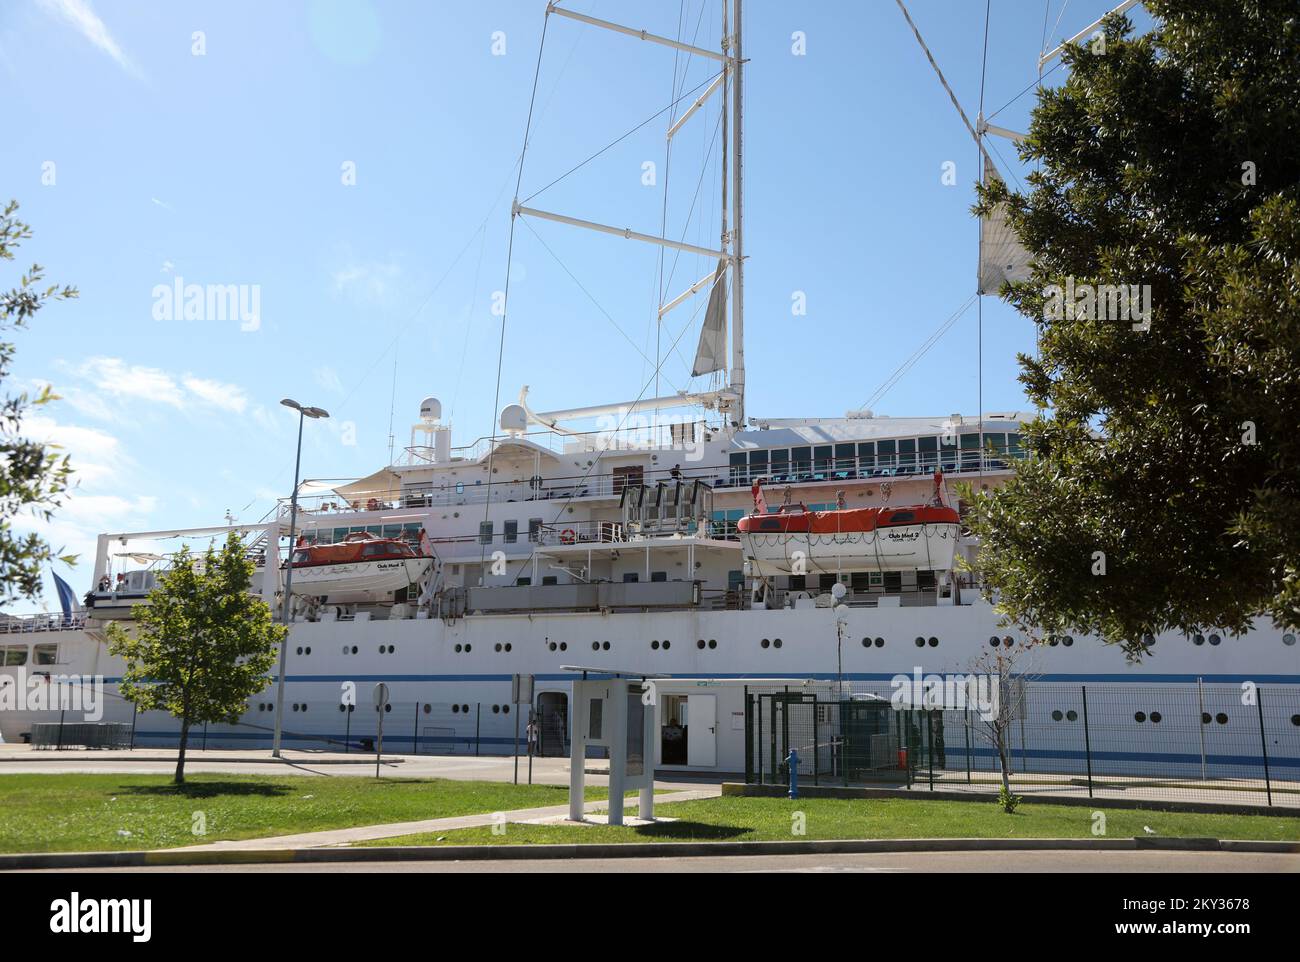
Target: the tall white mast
(738, 209)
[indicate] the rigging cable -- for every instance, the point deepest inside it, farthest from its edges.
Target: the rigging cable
(505, 296)
(979, 286)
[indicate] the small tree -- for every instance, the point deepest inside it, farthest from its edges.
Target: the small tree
(203, 645)
(1009, 668)
(33, 476)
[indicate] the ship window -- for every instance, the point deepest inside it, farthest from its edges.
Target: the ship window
(46, 654)
(885, 453)
(340, 534)
(866, 454)
(928, 447)
(997, 441)
(798, 582)
(757, 463)
(524, 581)
(1014, 447)
(15, 655)
(801, 460)
(659, 576)
(511, 531)
(629, 577)
(826, 581)
(739, 467)
(907, 453)
(779, 461)
(860, 581)
(550, 580)
(372, 550)
(392, 531)
(900, 517)
(822, 458)
(844, 456)
(485, 532)
(770, 524)
(534, 529)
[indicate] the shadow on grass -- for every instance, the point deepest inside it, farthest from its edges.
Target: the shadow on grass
(691, 831)
(208, 789)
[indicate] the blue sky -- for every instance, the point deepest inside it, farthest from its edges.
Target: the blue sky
(141, 153)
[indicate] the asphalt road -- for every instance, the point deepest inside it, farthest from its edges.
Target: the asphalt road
(1055, 862)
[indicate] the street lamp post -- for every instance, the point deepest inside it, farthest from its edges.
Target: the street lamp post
(303, 414)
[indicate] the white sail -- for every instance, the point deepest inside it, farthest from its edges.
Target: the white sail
(1002, 257)
(711, 355)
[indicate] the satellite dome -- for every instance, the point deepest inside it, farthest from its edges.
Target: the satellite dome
(514, 419)
(430, 409)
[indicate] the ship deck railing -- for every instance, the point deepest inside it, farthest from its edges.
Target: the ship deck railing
(35, 623)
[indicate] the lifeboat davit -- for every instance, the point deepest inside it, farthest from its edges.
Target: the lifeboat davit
(794, 540)
(361, 567)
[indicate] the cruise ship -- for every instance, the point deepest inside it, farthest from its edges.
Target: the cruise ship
(613, 538)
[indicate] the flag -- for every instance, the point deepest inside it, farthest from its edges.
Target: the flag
(759, 501)
(66, 596)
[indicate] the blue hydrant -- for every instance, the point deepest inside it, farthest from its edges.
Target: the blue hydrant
(792, 760)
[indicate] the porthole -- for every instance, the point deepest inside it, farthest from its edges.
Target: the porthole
(1148, 640)
(713, 643)
(1205, 718)
(776, 642)
(993, 642)
(934, 642)
(505, 709)
(920, 642)
(497, 647)
(1215, 639)
(383, 649)
(654, 645)
(880, 642)
(458, 649)
(1053, 641)
(1198, 639)
(307, 650)
(552, 646)
(700, 644)
(667, 644)
(595, 646)
(1068, 640)
(866, 642)
(455, 709)
(464, 709)
(1071, 715)
(298, 651)
(1140, 716)
(764, 643)
(467, 648)
(496, 709)
(1295, 720)
(1057, 716)
(304, 706)
(342, 708)
(388, 708)
(1155, 718)
(345, 649)
(605, 645)
(508, 646)
(1221, 718)
(428, 708)
(564, 645)
(354, 649)
(1288, 639)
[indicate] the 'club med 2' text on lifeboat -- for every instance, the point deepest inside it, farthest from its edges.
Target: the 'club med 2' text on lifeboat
(794, 540)
(361, 567)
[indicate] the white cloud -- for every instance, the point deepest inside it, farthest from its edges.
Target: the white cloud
(79, 14)
(228, 397)
(96, 455)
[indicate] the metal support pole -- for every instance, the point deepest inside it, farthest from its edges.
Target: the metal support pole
(478, 728)
(1263, 743)
(135, 711)
(1200, 694)
(1087, 739)
(792, 762)
(288, 586)
(929, 727)
(967, 727)
(415, 731)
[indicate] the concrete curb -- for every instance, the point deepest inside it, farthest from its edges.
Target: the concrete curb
(90, 756)
(741, 789)
(68, 860)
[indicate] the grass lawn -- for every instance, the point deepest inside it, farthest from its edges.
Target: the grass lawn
(764, 819)
(81, 812)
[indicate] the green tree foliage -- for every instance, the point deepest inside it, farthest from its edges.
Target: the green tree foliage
(33, 476)
(1163, 487)
(202, 645)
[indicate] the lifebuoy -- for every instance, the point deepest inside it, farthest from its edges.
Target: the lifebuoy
(567, 536)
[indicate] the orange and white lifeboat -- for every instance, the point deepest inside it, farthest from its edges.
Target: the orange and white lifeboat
(794, 540)
(361, 567)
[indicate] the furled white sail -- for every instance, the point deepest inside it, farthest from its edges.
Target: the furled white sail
(1002, 257)
(710, 356)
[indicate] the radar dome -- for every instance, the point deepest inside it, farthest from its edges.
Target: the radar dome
(430, 409)
(514, 419)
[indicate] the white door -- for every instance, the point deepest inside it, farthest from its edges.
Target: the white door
(702, 731)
